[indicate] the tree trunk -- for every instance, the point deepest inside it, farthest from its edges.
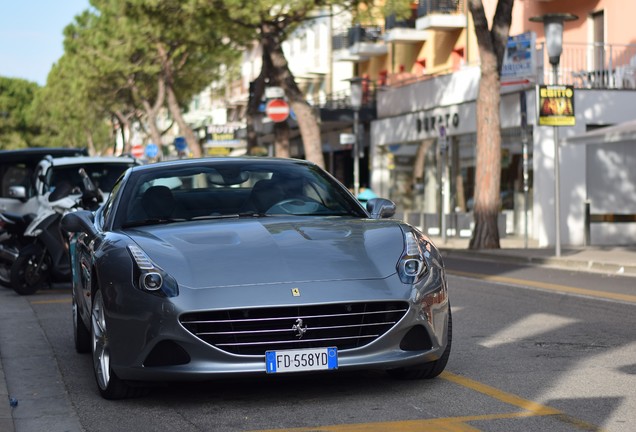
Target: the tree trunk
(152, 109)
(91, 143)
(124, 129)
(151, 115)
(281, 75)
(257, 89)
(186, 130)
(281, 139)
(492, 46)
(488, 162)
(173, 102)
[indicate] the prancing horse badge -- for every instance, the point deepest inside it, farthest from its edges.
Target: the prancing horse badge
(295, 292)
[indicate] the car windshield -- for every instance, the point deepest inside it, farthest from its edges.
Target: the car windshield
(233, 189)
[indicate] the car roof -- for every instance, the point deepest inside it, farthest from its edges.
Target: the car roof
(36, 154)
(220, 160)
(83, 160)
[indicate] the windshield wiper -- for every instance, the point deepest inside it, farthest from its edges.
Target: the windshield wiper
(252, 214)
(151, 221)
(220, 216)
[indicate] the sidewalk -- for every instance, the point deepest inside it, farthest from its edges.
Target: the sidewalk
(610, 260)
(29, 373)
(6, 420)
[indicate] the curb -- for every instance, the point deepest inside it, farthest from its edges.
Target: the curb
(552, 262)
(6, 417)
(30, 373)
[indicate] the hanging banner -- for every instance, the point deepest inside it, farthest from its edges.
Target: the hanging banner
(520, 60)
(556, 105)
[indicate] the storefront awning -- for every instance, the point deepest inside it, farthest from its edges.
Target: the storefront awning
(622, 132)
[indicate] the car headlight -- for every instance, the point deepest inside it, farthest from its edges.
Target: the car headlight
(412, 266)
(151, 278)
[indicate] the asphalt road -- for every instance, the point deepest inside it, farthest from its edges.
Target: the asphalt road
(533, 350)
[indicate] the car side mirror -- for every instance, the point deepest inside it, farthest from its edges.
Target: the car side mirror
(79, 221)
(381, 208)
(18, 192)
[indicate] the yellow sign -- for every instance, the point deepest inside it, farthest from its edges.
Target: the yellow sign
(218, 151)
(556, 105)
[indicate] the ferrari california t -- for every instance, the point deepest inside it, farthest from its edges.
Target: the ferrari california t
(203, 268)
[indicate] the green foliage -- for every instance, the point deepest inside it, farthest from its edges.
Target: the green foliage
(16, 97)
(69, 117)
(119, 51)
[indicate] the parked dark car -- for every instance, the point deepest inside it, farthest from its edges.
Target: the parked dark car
(198, 269)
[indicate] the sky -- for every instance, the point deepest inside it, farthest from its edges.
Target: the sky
(31, 35)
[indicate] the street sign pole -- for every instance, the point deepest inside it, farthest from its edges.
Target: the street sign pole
(557, 177)
(524, 143)
(356, 152)
(443, 147)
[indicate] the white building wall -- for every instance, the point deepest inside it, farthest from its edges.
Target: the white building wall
(592, 107)
(398, 111)
(610, 167)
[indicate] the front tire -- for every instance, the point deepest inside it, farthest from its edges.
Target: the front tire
(108, 383)
(81, 334)
(431, 369)
(30, 271)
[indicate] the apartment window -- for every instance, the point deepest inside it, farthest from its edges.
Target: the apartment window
(598, 39)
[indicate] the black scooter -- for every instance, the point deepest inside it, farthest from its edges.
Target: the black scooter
(12, 227)
(45, 258)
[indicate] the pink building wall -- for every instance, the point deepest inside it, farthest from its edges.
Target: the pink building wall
(620, 25)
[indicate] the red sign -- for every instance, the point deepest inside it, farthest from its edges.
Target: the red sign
(277, 110)
(137, 150)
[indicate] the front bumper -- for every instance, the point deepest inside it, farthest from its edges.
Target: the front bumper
(148, 342)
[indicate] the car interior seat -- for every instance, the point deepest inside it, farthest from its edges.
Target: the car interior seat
(158, 202)
(264, 194)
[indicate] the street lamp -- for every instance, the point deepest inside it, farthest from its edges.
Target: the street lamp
(553, 29)
(356, 103)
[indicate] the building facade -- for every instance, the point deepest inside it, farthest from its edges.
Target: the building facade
(429, 170)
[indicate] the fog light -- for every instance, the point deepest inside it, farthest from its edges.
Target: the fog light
(411, 267)
(152, 281)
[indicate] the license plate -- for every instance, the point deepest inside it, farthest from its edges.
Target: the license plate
(301, 360)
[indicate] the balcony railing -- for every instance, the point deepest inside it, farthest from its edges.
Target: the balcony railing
(428, 7)
(342, 99)
(360, 34)
(597, 65)
(362, 42)
(392, 22)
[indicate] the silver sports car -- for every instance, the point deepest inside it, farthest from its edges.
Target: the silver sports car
(203, 268)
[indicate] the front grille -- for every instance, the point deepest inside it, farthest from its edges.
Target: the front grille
(254, 331)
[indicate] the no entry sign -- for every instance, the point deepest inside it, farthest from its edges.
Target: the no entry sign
(277, 110)
(137, 150)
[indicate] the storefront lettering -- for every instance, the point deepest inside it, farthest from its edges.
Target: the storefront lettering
(222, 136)
(430, 123)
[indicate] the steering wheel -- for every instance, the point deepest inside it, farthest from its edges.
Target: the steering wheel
(295, 206)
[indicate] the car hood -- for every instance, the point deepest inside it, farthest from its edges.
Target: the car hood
(205, 254)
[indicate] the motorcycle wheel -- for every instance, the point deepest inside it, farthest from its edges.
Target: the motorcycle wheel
(30, 271)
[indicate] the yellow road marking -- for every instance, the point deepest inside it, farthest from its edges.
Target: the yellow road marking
(457, 424)
(66, 300)
(547, 286)
(508, 398)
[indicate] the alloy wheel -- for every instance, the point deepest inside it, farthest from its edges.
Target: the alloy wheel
(101, 349)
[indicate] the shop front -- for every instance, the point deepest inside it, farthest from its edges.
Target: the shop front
(425, 162)
(431, 176)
